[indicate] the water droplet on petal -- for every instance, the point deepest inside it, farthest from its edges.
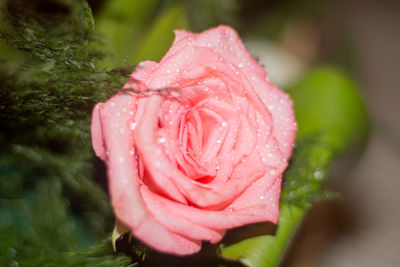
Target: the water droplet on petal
(132, 126)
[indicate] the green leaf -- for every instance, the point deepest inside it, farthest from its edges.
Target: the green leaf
(266, 250)
(156, 43)
(121, 24)
(327, 100)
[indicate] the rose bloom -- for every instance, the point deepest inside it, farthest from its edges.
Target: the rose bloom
(195, 144)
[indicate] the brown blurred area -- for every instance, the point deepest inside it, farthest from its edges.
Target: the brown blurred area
(363, 229)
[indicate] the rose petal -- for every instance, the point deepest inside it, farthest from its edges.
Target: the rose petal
(154, 159)
(252, 168)
(226, 43)
(263, 210)
(198, 64)
(140, 75)
(280, 106)
(124, 183)
(176, 223)
(97, 133)
(266, 188)
(246, 140)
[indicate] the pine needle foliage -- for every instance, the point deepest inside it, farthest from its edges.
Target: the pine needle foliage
(309, 166)
(51, 208)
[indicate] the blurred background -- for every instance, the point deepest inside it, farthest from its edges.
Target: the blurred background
(359, 38)
(363, 230)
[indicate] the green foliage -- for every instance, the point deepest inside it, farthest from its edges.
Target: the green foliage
(158, 40)
(136, 30)
(37, 230)
(327, 100)
(50, 206)
(119, 25)
(307, 169)
(52, 77)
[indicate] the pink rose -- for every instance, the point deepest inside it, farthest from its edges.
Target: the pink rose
(188, 163)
